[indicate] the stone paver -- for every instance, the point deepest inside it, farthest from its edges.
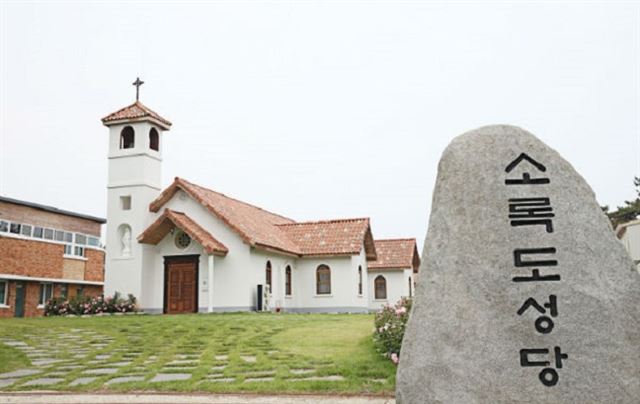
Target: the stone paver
(249, 359)
(15, 343)
(219, 367)
(45, 362)
(119, 364)
(302, 371)
(7, 382)
(258, 379)
(103, 371)
(221, 380)
(82, 380)
(170, 377)
(19, 373)
(125, 379)
(44, 381)
(333, 378)
(222, 357)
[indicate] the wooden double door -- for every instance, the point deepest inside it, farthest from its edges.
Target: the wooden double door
(181, 284)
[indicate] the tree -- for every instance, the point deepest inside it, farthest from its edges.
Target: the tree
(628, 212)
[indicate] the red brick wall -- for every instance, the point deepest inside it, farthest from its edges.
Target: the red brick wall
(30, 258)
(94, 268)
(32, 297)
(25, 214)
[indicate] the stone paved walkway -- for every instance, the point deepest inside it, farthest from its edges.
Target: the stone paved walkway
(44, 398)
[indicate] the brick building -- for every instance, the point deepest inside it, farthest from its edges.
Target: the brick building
(46, 252)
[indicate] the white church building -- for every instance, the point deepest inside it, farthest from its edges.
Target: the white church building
(190, 249)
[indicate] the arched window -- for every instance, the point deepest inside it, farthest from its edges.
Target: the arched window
(268, 274)
(287, 280)
(380, 287)
(323, 280)
(127, 138)
(410, 294)
(154, 140)
(359, 280)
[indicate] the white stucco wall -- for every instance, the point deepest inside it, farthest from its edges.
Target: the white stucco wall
(631, 241)
(135, 173)
(397, 286)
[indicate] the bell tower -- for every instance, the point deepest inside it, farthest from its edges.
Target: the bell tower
(134, 181)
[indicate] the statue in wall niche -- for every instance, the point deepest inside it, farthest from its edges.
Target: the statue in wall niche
(126, 241)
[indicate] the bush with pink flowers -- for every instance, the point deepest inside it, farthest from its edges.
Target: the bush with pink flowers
(81, 305)
(390, 323)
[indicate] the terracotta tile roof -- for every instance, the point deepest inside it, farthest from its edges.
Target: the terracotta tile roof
(260, 228)
(256, 226)
(136, 112)
(396, 254)
(331, 237)
(170, 219)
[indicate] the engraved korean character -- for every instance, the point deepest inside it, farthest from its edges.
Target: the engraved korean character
(526, 177)
(548, 376)
(544, 324)
(519, 262)
(530, 212)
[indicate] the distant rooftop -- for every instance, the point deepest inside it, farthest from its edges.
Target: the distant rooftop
(52, 209)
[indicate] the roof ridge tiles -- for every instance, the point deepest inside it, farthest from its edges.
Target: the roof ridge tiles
(234, 199)
(327, 221)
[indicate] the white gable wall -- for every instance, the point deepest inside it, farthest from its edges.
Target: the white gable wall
(231, 289)
(344, 285)
(397, 286)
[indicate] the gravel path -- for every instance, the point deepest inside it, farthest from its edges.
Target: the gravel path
(73, 398)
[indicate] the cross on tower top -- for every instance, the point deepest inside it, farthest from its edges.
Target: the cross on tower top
(138, 83)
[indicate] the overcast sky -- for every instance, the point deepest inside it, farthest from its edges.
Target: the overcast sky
(314, 110)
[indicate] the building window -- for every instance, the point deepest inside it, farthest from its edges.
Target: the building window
(127, 138)
(48, 234)
(359, 280)
(268, 275)
(125, 202)
(68, 249)
(59, 235)
(410, 291)
(14, 228)
(94, 241)
(68, 237)
(323, 280)
(182, 240)
(287, 280)
(380, 287)
(4, 226)
(46, 293)
(37, 232)
(81, 239)
(154, 140)
(26, 230)
(78, 251)
(4, 286)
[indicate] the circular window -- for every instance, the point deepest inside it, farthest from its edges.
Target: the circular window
(182, 240)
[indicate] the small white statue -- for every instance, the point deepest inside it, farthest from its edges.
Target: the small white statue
(126, 242)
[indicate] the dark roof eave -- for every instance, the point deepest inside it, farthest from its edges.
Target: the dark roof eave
(52, 209)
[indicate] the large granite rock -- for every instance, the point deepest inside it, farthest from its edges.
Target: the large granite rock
(491, 322)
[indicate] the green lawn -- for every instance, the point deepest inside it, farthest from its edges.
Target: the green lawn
(216, 352)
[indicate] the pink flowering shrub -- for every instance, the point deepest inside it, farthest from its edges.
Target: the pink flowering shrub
(80, 305)
(390, 323)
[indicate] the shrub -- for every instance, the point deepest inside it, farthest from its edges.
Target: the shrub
(390, 324)
(79, 305)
